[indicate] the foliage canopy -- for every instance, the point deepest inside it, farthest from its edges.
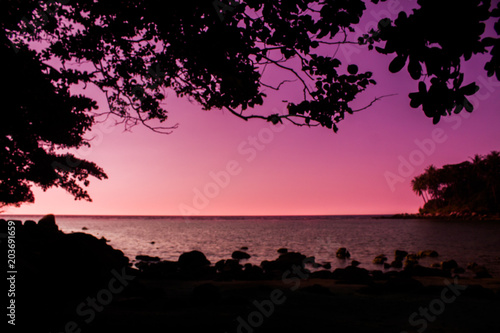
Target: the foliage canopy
(470, 186)
(215, 53)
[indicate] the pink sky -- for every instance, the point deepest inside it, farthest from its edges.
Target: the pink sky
(288, 171)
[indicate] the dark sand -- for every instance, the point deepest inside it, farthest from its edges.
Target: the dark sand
(318, 305)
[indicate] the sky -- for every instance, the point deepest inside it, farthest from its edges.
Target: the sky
(218, 164)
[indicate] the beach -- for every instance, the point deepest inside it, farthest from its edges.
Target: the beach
(75, 282)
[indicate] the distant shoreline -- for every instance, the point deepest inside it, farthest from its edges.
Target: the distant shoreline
(451, 216)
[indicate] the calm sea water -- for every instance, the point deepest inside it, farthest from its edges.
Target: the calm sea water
(319, 236)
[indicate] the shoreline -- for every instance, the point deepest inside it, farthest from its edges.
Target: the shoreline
(442, 216)
(93, 287)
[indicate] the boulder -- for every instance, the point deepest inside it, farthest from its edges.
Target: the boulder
(419, 270)
(428, 253)
(240, 255)
(29, 226)
(380, 259)
(158, 269)
(412, 256)
(252, 272)
(48, 222)
(282, 250)
(410, 262)
(327, 265)
(355, 263)
(342, 253)
(229, 269)
(146, 258)
(352, 274)
(449, 264)
(397, 264)
(322, 274)
(399, 255)
(192, 260)
(292, 258)
(480, 270)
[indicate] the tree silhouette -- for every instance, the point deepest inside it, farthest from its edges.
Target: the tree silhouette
(470, 186)
(218, 54)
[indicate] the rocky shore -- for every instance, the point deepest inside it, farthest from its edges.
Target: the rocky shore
(448, 216)
(78, 283)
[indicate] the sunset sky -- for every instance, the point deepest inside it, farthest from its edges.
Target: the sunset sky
(217, 164)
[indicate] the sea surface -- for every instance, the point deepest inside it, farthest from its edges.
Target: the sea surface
(364, 236)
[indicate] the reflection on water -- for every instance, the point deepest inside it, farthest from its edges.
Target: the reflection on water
(319, 236)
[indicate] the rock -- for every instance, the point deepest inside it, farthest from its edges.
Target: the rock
(418, 270)
(193, 260)
(152, 243)
(387, 266)
(230, 269)
(428, 253)
(323, 274)
(436, 265)
(352, 274)
(244, 248)
(377, 275)
(397, 264)
(410, 262)
(480, 270)
(161, 269)
(292, 258)
(412, 256)
(147, 258)
(310, 260)
(458, 270)
(85, 228)
(29, 226)
(449, 265)
(286, 261)
(240, 255)
(219, 265)
(380, 259)
(342, 253)
(48, 222)
(282, 250)
(252, 272)
(400, 255)
(327, 265)
(355, 263)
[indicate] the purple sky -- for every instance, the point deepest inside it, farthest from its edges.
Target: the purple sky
(217, 164)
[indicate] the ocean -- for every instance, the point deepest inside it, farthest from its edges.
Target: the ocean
(320, 236)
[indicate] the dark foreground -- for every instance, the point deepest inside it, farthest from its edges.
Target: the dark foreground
(78, 283)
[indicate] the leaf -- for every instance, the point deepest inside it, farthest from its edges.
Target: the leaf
(422, 88)
(352, 69)
(470, 89)
(274, 118)
(383, 23)
(458, 108)
(415, 100)
(467, 105)
(397, 64)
